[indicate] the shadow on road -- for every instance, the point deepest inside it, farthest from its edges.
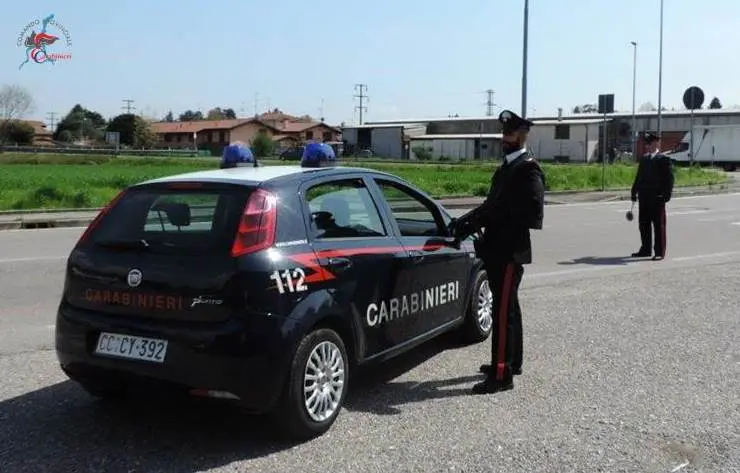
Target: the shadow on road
(376, 392)
(61, 428)
(601, 260)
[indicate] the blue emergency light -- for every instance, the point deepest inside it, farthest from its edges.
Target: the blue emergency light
(318, 155)
(237, 155)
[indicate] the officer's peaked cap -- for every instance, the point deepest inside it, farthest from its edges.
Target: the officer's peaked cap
(651, 137)
(512, 122)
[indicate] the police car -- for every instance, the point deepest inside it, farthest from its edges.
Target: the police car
(265, 285)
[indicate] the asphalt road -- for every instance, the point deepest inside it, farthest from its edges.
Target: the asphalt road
(629, 366)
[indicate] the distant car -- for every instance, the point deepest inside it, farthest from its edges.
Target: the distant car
(264, 285)
(292, 154)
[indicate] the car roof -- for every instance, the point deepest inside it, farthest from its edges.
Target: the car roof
(254, 176)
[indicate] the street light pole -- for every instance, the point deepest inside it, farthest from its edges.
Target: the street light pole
(524, 59)
(660, 76)
(634, 84)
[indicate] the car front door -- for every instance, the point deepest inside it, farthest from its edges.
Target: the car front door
(364, 262)
(441, 271)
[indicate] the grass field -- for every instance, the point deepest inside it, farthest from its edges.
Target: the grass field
(69, 181)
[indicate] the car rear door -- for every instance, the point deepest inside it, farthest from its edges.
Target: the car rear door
(364, 263)
(441, 271)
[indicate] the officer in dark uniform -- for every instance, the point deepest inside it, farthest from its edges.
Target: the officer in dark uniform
(653, 187)
(515, 204)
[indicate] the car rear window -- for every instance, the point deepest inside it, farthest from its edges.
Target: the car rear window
(173, 220)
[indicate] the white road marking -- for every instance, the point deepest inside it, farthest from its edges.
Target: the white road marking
(628, 203)
(41, 230)
(711, 255)
(688, 212)
(30, 259)
(735, 223)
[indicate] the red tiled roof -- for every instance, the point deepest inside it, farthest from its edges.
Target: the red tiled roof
(196, 126)
(298, 127)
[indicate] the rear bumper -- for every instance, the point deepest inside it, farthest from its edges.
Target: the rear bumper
(249, 358)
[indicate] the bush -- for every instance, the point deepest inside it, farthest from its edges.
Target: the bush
(262, 145)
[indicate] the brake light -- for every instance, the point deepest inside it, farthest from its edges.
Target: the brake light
(100, 216)
(257, 225)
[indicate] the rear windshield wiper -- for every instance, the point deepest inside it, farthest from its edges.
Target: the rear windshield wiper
(132, 243)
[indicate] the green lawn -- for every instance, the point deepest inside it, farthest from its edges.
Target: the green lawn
(69, 181)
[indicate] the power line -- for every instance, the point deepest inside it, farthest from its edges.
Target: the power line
(128, 105)
(51, 116)
(362, 97)
(489, 103)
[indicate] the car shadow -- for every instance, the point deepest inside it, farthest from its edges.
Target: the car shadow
(601, 260)
(62, 428)
(375, 391)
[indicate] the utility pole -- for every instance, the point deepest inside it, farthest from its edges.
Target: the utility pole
(256, 103)
(51, 116)
(489, 103)
(660, 77)
(634, 83)
(321, 110)
(362, 97)
(525, 46)
(128, 107)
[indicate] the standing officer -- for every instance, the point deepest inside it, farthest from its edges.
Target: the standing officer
(653, 187)
(515, 204)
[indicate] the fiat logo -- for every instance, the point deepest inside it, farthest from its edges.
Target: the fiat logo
(134, 278)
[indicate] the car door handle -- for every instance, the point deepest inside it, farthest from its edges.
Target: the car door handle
(340, 263)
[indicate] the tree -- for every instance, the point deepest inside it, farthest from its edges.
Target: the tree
(80, 122)
(715, 103)
(17, 132)
(190, 116)
(169, 117)
(133, 130)
(648, 107)
(15, 102)
(219, 113)
(262, 145)
(144, 136)
(587, 108)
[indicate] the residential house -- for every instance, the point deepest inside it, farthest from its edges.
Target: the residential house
(211, 135)
(42, 135)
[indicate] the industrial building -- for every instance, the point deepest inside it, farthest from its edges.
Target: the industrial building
(573, 138)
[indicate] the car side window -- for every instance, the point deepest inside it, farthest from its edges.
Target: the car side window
(414, 215)
(343, 209)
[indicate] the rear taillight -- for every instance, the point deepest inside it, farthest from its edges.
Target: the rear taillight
(100, 216)
(257, 225)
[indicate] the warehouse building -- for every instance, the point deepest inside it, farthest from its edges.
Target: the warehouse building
(574, 138)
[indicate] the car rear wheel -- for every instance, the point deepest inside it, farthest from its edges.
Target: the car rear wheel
(316, 386)
(479, 317)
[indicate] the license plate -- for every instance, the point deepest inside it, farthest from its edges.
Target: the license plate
(131, 347)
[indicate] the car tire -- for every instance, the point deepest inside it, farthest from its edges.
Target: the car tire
(322, 348)
(479, 316)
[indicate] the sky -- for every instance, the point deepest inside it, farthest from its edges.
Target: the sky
(418, 59)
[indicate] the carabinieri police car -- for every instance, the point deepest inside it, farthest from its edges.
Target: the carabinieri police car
(267, 285)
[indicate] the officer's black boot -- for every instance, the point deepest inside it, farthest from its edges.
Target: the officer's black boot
(485, 369)
(492, 385)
